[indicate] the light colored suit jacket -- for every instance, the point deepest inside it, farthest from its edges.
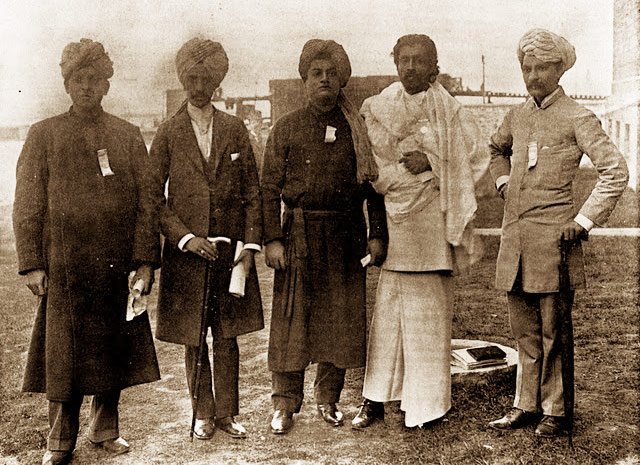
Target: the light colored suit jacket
(538, 197)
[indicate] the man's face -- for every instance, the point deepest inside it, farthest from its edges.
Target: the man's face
(322, 83)
(540, 77)
(199, 85)
(86, 87)
(415, 68)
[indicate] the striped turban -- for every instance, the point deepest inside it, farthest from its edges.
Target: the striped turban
(77, 55)
(209, 53)
(316, 48)
(547, 46)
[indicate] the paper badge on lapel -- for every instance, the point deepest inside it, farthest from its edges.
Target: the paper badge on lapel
(532, 154)
(234, 156)
(330, 135)
(103, 160)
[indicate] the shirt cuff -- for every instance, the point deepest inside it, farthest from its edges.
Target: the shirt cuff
(251, 246)
(583, 221)
(502, 180)
(186, 238)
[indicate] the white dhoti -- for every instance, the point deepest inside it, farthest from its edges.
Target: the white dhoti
(409, 351)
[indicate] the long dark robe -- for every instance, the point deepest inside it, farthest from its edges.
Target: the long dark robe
(318, 312)
(87, 231)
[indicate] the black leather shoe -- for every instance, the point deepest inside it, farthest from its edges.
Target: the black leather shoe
(550, 427)
(281, 422)
(330, 414)
(369, 412)
(204, 429)
(231, 427)
(56, 457)
(514, 419)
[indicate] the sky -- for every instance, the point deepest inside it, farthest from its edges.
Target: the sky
(263, 40)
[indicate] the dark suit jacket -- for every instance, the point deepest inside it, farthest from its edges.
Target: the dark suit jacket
(233, 197)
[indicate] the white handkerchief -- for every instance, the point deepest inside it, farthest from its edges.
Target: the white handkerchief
(330, 134)
(365, 260)
(103, 160)
(234, 156)
(532, 154)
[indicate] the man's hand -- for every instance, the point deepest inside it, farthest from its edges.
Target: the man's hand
(571, 231)
(502, 191)
(415, 161)
(274, 255)
(246, 258)
(144, 273)
(37, 281)
(378, 251)
(202, 247)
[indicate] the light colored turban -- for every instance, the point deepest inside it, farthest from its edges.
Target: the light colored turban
(209, 53)
(77, 55)
(316, 47)
(547, 46)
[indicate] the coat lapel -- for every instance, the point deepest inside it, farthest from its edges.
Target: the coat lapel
(220, 140)
(188, 142)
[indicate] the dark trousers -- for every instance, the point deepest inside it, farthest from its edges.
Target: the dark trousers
(64, 420)
(226, 366)
(288, 387)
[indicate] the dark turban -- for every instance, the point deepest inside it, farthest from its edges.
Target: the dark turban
(316, 48)
(85, 53)
(209, 53)
(547, 46)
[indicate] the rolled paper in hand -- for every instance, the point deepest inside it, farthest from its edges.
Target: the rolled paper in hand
(137, 303)
(238, 274)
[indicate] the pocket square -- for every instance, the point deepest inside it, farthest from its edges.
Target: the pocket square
(234, 156)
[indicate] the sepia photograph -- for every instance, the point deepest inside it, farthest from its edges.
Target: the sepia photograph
(303, 232)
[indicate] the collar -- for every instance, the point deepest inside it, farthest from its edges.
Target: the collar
(201, 116)
(548, 100)
(90, 118)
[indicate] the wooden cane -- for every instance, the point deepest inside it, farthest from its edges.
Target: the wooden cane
(195, 384)
(566, 339)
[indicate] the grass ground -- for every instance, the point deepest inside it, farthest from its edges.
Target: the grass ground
(155, 417)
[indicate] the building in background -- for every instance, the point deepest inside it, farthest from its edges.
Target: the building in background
(621, 113)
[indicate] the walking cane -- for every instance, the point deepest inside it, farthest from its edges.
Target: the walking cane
(195, 384)
(566, 339)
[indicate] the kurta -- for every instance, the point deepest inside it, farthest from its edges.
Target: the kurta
(538, 198)
(87, 231)
(316, 180)
(219, 197)
(409, 349)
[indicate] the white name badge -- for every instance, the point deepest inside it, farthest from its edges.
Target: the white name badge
(330, 134)
(103, 160)
(532, 154)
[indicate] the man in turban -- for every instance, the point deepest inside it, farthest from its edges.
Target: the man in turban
(319, 163)
(206, 157)
(84, 221)
(535, 155)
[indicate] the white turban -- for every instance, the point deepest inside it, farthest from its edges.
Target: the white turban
(209, 53)
(547, 46)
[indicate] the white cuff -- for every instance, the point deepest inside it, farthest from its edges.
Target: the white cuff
(251, 246)
(502, 180)
(186, 238)
(425, 176)
(583, 221)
